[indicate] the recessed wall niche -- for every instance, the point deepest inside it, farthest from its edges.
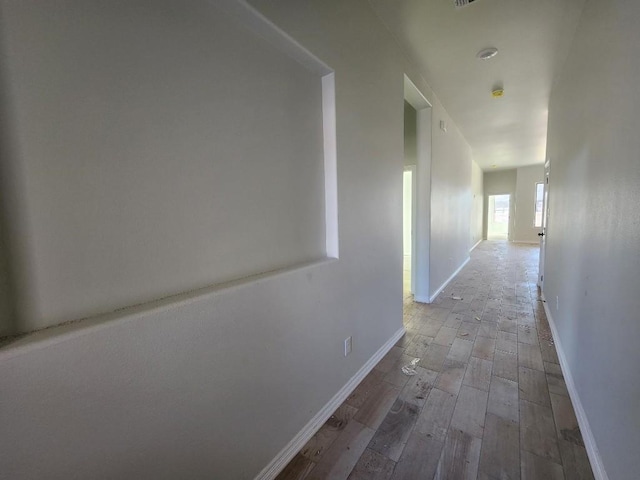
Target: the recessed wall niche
(163, 147)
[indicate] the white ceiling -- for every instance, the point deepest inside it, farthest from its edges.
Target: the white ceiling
(533, 38)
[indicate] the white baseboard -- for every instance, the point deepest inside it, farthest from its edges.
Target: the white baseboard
(295, 445)
(444, 285)
(585, 429)
(477, 243)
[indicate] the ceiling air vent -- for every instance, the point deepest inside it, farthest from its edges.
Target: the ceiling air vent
(462, 3)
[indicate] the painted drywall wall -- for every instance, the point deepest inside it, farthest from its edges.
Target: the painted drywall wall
(7, 300)
(190, 187)
(8, 189)
(523, 224)
(477, 201)
(450, 202)
(6, 303)
(186, 387)
(593, 260)
(407, 217)
(192, 384)
(410, 136)
(451, 159)
(501, 182)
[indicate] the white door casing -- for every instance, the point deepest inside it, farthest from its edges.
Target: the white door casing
(543, 233)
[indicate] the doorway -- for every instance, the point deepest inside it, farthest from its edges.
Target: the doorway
(418, 158)
(498, 217)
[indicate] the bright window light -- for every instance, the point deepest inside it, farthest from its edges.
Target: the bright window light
(537, 222)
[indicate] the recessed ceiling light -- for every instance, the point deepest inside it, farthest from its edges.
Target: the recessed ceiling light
(487, 53)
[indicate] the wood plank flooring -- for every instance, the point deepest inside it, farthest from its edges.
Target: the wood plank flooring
(488, 400)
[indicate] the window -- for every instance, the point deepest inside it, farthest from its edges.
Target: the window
(537, 222)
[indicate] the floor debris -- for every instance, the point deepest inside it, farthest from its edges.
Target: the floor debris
(410, 369)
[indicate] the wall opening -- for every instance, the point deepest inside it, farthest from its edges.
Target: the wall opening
(408, 208)
(498, 217)
(421, 213)
(164, 187)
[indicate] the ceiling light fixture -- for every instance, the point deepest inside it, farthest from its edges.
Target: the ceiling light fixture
(462, 3)
(487, 53)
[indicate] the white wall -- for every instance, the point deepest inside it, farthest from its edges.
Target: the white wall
(407, 199)
(477, 201)
(523, 229)
(8, 266)
(593, 260)
(128, 198)
(184, 388)
(6, 303)
(502, 182)
(450, 202)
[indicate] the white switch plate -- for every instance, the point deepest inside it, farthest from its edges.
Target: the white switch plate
(347, 346)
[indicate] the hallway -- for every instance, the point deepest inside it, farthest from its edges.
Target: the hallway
(488, 399)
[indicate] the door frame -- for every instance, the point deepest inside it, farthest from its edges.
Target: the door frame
(545, 218)
(421, 235)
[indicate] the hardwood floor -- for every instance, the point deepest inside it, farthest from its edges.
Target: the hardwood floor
(488, 400)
